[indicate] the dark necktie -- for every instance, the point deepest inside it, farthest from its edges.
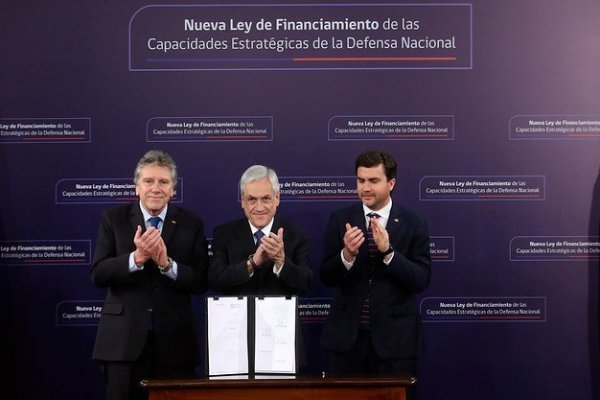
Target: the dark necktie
(370, 241)
(366, 306)
(154, 221)
(258, 235)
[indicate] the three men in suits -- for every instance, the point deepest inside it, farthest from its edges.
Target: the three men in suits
(377, 254)
(151, 256)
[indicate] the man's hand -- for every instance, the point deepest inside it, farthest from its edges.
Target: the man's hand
(353, 239)
(161, 257)
(380, 235)
(147, 245)
(260, 256)
(273, 248)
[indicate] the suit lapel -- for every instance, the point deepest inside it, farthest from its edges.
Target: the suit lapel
(136, 218)
(170, 223)
(276, 225)
(394, 224)
(245, 237)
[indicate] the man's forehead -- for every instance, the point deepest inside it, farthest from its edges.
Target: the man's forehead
(259, 188)
(373, 172)
(150, 171)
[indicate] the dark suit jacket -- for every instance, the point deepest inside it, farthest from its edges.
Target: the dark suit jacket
(394, 319)
(136, 301)
(233, 243)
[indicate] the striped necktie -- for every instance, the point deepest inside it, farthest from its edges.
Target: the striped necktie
(365, 312)
(370, 241)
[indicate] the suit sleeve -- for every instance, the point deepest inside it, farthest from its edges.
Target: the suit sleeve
(333, 271)
(111, 257)
(223, 273)
(191, 258)
(296, 273)
(411, 268)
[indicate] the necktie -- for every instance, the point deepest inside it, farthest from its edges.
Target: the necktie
(154, 221)
(258, 235)
(370, 241)
(365, 314)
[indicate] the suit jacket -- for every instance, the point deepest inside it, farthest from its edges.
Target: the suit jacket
(394, 319)
(143, 299)
(233, 242)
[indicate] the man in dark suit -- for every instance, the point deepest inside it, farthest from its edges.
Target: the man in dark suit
(373, 325)
(151, 255)
(259, 254)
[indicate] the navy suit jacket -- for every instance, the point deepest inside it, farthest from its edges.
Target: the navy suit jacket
(233, 242)
(394, 319)
(143, 299)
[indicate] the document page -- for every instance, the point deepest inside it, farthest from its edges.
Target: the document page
(227, 335)
(275, 335)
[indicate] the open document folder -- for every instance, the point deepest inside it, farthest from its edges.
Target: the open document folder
(251, 335)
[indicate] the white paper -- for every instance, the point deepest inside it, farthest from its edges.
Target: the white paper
(229, 377)
(275, 335)
(278, 376)
(227, 335)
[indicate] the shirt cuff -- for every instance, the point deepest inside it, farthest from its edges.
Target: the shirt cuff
(275, 269)
(347, 264)
(388, 261)
(172, 273)
(132, 265)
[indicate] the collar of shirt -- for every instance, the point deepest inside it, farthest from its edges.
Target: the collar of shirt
(147, 216)
(384, 213)
(266, 230)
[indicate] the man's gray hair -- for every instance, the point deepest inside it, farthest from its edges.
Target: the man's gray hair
(158, 158)
(258, 172)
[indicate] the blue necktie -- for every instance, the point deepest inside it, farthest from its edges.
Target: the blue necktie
(154, 221)
(258, 235)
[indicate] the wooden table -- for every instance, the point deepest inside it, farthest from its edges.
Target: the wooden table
(293, 388)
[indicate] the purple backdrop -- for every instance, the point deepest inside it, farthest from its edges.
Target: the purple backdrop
(490, 107)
